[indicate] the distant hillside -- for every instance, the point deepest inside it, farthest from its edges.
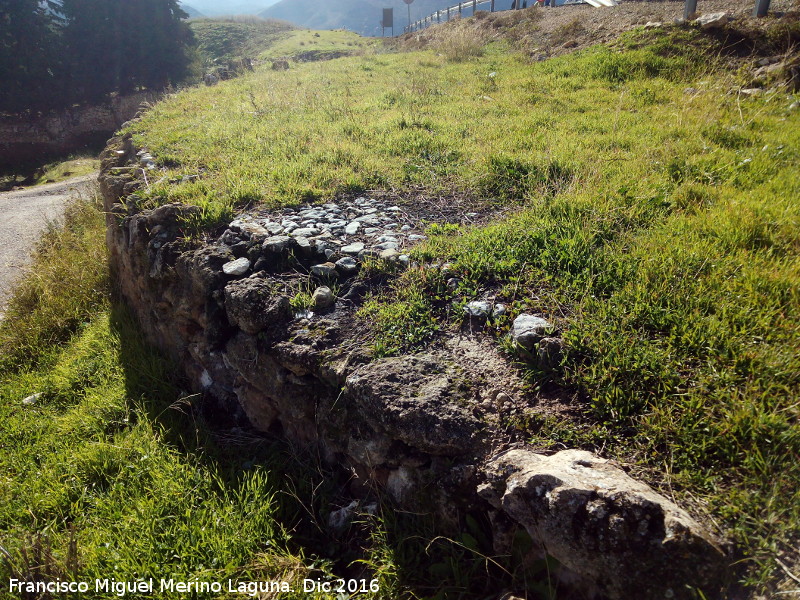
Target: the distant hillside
(221, 40)
(363, 16)
(191, 11)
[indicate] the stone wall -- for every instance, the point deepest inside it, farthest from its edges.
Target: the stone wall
(24, 141)
(423, 429)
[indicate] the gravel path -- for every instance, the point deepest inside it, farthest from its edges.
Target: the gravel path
(24, 214)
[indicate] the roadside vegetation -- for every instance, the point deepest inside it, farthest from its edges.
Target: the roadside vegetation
(54, 172)
(654, 216)
(74, 166)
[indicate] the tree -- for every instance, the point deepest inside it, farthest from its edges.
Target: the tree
(54, 53)
(28, 51)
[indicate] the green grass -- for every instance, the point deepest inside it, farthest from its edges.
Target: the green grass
(72, 167)
(659, 228)
(321, 43)
(221, 40)
(404, 121)
(53, 172)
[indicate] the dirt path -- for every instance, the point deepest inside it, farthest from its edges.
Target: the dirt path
(24, 214)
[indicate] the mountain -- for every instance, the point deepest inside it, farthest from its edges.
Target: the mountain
(363, 16)
(214, 8)
(191, 11)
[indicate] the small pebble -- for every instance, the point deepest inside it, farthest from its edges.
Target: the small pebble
(347, 265)
(352, 228)
(324, 270)
(32, 399)
(353, 248)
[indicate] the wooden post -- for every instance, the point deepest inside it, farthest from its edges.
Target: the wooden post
(474, 6)
(438, 16)
(761, 9)
(491, 8)
(459, 9)
(689, 9)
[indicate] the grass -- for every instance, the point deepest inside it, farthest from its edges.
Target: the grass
(320, 44)
(404, 121)
(72, 167)
(658, 228)
(54, 172)
(104, 460)
(221, 40)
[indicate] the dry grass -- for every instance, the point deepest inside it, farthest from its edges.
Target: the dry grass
(460, 43)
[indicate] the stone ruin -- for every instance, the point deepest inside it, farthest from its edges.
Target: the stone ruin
(423, 428)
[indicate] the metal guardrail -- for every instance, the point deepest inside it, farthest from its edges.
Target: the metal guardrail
(690, 7)
(446, 14)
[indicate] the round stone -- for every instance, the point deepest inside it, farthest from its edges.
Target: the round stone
(353, 248)
(236, 267)
(277, 243)
(347, 265)
(324, 270)
(352, 228)
(478, 309)
(306, 232)
(322, 297)
(387, 246)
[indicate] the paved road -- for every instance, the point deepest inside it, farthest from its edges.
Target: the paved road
(24, 214)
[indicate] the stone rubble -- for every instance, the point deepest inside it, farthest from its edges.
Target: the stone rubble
(419, 428)
(240, 266)
(335, 237)
(32, 399)
(527, 330)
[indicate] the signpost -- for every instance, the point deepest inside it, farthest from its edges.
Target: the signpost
(408, 2)
(388, 20)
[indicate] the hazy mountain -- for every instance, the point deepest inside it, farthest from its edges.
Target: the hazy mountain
(213, 8)
(191, 11)
(363, 16)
